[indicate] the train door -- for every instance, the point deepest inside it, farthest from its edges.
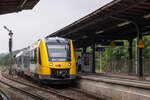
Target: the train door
(33, 61)
(26, 63)
(86, 62)
(22, 63)
(19, 63)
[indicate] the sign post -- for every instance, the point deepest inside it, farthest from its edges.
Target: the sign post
(100, 61)
(10, 48)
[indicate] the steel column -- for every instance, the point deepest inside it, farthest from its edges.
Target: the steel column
(139, 53)
(93, 56)
(10, 55)
(84, 49)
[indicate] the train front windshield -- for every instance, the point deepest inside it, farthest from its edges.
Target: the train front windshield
(58, 52)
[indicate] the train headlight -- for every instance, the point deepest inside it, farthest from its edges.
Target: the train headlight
(69, 64)
(51, 64)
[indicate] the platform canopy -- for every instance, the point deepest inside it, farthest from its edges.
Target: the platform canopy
(10, 6)
(114, 21)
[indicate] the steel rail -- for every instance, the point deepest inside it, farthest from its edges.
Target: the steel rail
(49, 90)
(92, 95)
(37, 97)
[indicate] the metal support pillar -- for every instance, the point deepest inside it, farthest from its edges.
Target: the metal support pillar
(93, 57)
(139, 50)
(84, 49)
(139, 54)
(100, 61)
(130, 57)
(10, 55)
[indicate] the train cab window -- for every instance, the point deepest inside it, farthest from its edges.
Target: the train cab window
(59, 51)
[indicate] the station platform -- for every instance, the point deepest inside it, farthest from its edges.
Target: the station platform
(115, 86)
(116, 75)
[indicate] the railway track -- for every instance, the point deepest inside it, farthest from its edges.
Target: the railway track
(68, 93)
(49, 90)
(75, 93)
(80, 94)
(34, 96)
(92, 95)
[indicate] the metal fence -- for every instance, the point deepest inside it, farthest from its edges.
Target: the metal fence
(117, 66)
(146, 67)
(122, 66)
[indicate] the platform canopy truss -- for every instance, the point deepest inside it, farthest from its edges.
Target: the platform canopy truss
(114, 21)
(10, 6)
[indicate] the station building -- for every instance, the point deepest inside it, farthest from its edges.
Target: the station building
(121, 23)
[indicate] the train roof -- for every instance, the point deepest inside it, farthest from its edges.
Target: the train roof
(56, 39)
(19, 54)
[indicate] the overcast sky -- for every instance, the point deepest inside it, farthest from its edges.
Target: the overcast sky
(47, 17)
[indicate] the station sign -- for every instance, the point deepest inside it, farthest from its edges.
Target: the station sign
(112, 43)
(102, 49)
(140, 44)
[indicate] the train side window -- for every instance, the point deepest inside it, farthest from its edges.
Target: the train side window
(31, 57)
(35, 56)
(39, 57)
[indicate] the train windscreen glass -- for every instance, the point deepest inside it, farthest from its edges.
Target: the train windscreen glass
(58, 52)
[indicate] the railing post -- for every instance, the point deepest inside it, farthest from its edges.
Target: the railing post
(130, 57)
(93, 56)
(139, 53)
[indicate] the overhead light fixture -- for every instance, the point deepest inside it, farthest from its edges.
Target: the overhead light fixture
(84, 36)
(99, 32)
(123, 24)
(147, 16)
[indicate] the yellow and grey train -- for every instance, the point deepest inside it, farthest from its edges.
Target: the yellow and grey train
(49, 59)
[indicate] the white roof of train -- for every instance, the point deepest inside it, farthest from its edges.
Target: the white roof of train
(20, 53)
